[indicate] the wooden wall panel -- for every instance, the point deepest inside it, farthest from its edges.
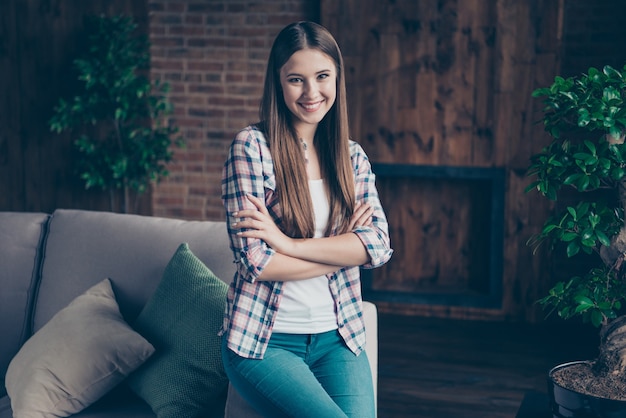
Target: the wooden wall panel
(11, 156)
(420, 78)
(448, 83)
(449, 259)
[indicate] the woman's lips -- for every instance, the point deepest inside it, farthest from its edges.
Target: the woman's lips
(311, 107)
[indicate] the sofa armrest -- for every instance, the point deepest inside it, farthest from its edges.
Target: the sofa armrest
(370, 315)
(237, 407)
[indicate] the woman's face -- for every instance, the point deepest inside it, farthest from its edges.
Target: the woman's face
(308, 80)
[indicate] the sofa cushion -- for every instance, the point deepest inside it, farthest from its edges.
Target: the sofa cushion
(5, 407)
(84, 351)
(185, 377)
(21, 236)
(82, 247)
(121, 402)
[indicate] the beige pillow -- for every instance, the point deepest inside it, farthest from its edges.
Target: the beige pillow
(78, 356)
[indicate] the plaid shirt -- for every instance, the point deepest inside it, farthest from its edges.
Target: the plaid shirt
(252, 305)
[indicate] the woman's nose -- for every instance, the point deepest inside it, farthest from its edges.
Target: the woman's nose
(310, 89)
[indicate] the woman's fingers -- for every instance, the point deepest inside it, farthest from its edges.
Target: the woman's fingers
(253, 219)
(362, 215)
(249, 224)
(258, 223)
(248, 213)
(259, 213)
(259, 203)
(361, 209)
(364, 219)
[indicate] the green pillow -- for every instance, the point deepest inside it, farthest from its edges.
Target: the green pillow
(185, 377)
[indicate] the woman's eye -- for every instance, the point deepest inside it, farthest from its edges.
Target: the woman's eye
(323, 76)
(294, 80)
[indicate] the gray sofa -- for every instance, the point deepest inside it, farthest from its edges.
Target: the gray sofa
(46, 260)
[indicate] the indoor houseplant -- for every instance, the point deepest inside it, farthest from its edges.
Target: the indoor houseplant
(586, 163)
(117, 115)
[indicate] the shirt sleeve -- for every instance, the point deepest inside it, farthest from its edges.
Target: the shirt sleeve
(375, 237)
(243, 174)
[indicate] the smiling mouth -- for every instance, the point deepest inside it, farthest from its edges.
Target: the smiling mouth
(311, 107)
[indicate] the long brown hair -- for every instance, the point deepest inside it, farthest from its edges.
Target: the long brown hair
(331, 137)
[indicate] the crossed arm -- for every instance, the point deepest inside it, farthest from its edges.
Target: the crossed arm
(298, 259)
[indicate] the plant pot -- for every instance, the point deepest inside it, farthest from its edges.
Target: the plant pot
(566, 403)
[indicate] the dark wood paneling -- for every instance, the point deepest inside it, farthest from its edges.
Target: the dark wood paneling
(447, 236)
(40, 39)
(11, 155)
(420, 78)
(448, 83)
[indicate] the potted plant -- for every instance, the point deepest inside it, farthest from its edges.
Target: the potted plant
(586, 163)
(119, 118)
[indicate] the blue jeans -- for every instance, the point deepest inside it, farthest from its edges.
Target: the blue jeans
(304, 376)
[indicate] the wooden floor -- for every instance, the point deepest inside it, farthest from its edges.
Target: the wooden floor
(438, 368)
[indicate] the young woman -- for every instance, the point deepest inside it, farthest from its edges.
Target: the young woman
(303, 216)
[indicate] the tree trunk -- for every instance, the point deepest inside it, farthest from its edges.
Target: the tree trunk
(612, 356)
(611, 359)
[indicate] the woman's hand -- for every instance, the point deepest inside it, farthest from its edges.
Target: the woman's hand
(362, 216)
(259, 224)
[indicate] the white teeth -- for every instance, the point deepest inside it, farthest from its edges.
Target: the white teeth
(311, 106)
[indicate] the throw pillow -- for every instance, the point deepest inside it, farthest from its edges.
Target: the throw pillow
(79, 355)
(185, 377)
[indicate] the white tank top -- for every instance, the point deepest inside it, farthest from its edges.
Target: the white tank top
(307, 306)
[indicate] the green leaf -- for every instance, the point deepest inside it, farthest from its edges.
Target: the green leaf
(587, 234)
(531, 186)
(590, 146)
(584, 303)
(541, 92)
(610, 93)
(596, 318)
(584, 117)
(572, 212)
(571, 179)
(548, 228)
(573, 248)
(583, 300)
(594, 182)
(604, 240)
(569, 236)
(582, 183)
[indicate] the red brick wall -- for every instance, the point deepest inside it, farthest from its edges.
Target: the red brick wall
(213, 54)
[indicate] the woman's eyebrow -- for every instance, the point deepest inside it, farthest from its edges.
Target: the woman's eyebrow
(300, 75)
